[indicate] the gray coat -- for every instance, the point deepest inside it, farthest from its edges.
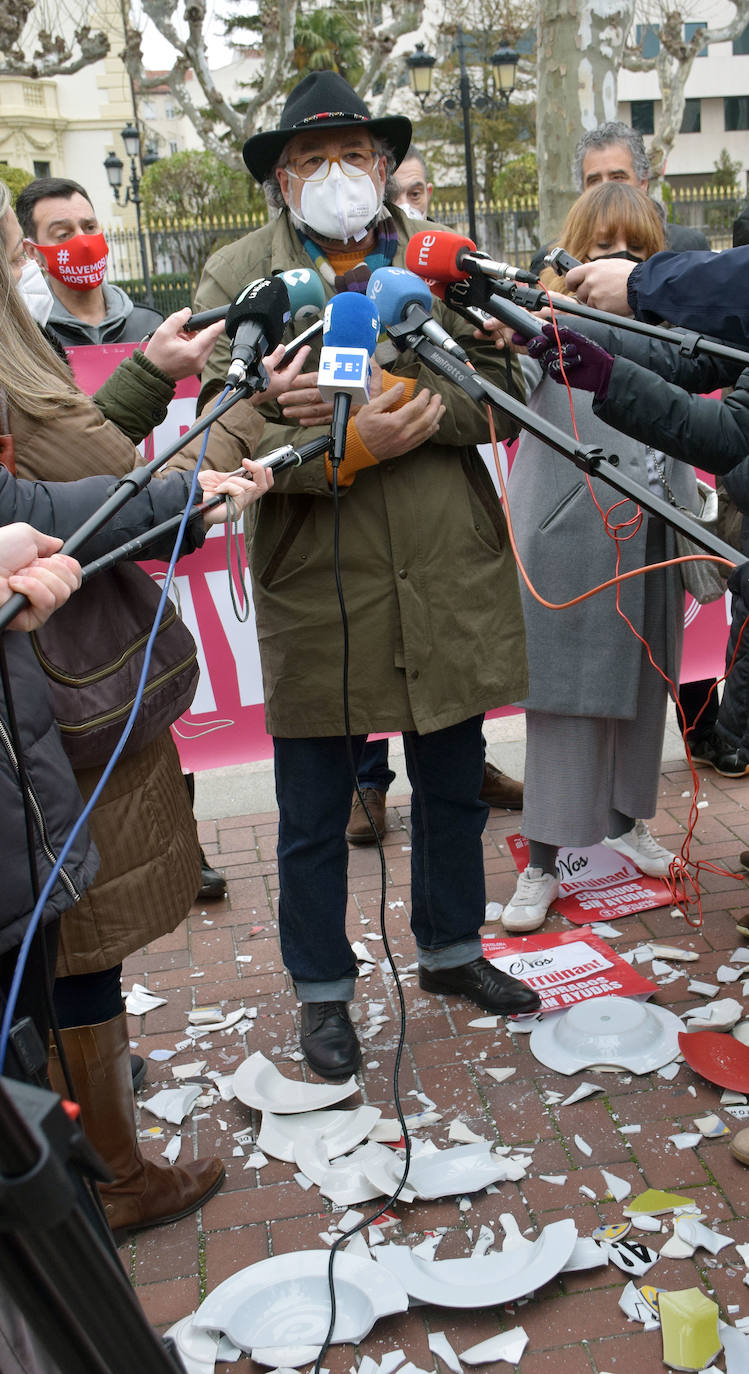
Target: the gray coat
(585, 660)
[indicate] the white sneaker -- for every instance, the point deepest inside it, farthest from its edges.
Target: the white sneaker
(533, 896)
(639, 846)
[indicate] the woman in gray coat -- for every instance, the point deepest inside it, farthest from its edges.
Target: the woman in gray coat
(596, 709)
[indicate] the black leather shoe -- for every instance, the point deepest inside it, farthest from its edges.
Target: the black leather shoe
(212, 883)
(483, 984)
(704, 749)
(138, 1069)
(731, 763)
(328, 1040)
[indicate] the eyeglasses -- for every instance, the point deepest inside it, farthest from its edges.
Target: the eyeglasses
(357, 162)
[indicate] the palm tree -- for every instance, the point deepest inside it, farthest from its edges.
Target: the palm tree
(328, 40)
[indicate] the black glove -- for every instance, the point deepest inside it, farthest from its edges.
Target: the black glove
(588, 366)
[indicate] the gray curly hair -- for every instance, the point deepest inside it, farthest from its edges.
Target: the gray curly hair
(615, 131)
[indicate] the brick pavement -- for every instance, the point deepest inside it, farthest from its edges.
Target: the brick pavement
(574, 1324)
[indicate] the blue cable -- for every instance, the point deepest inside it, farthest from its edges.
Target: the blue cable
(23, 952)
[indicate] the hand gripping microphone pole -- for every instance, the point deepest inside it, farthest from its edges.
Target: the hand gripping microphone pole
(589, 457)
(351, 325)
(137, 480)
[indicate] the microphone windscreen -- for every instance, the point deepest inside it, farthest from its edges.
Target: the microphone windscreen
(393, 289)
(350, 321)
(266, 302)
(306, 293)
(431, 254)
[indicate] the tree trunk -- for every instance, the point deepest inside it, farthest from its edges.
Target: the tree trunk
(580, 45)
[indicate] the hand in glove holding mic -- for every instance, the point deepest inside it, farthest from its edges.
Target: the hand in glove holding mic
(587, 366)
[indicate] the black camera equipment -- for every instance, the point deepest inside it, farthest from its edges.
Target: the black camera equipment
(58, 1262)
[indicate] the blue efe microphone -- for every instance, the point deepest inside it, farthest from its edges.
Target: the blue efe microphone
(351, 325)
(401, 295)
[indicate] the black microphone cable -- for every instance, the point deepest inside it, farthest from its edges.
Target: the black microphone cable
(372, 1217)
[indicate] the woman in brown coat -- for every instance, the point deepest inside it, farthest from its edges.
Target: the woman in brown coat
(142, 824)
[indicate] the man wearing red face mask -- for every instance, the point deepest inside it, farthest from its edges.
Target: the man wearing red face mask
(63, 235)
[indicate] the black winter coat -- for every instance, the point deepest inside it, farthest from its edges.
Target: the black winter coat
(705, 292)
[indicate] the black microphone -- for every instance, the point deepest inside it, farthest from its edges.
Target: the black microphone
(206, 317)
(458, 296)
(255, 322)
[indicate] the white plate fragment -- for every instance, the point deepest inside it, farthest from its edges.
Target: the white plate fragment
(702, 989)
(500, 1075)
(686, 1140)
(618, 1187)
(700, 1236)
(440, 1345)
(720, 1015)
(173, 1104)
(463, 1134)
(584, 1090)
(583, 1146)
(139, 1000)
(508, 1347)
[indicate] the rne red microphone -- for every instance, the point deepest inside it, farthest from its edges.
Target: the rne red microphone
(451, 257)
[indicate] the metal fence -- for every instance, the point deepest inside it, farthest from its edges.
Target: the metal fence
(178, 249)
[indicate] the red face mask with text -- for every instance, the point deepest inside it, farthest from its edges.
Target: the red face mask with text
(79, 263)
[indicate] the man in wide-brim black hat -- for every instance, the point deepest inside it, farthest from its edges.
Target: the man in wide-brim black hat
(429, 581)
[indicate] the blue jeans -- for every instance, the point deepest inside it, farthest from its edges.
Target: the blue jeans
(373, 770)
(313, 787)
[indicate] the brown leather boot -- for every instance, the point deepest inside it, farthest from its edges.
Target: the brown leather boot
(497, 789)
(358, 830)
(143, 1194)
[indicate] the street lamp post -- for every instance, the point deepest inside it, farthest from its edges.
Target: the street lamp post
(420, 67)
(114, 168)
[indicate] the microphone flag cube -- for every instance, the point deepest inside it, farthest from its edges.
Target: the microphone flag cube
(344, 369)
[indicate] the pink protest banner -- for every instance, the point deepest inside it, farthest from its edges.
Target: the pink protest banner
(226, 722)
(568, 968)
(597, 884)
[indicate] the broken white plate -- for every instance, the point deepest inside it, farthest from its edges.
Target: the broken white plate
(173, 1104)
(286, 1300)
(741, 1032)
(508, 1347)
(385, 1172)
(341, 1130)
(485, 1281)
(673, 952)
(464, 1169)
(716, 1016)
(700, 1236)
(258, 1083)
(607, 1031)
(632, 1256)
(197, 1348)
(587, 1254)
(284, 1356)
(139, 1000)
(440, 1345)
(345, 1181)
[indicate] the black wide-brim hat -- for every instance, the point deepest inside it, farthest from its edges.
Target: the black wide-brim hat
(322, 100)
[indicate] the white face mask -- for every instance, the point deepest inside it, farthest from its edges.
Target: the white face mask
(35, 293)
(340, 207)
(409, 210)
